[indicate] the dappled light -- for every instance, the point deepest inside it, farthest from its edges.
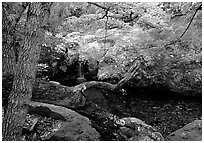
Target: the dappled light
(102, 71)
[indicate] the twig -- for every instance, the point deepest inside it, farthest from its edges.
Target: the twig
(98, 5)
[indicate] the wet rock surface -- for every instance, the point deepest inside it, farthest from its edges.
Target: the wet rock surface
(190, 132)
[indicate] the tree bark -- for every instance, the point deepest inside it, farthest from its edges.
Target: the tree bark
(24, 74)
(8, 35)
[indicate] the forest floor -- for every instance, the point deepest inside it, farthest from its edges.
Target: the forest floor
(164, 111)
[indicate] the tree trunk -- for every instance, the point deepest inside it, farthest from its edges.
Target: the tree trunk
(8, 33)
(24, 74)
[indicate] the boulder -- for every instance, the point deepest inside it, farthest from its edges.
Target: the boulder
(74, 127)
(190, 132)
(180, 73)
(175, 67)
(136, 130)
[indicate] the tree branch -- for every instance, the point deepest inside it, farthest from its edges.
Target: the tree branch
(102, 7)
(200, 7)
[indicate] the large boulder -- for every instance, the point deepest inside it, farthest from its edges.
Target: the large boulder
(74, 127)
(190, 132)
(175, 67)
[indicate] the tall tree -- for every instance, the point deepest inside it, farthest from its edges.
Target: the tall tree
(35, 18)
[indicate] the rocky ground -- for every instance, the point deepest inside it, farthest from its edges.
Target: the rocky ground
(163, 111)
(166, 113)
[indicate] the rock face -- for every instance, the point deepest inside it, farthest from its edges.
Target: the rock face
(74, 127)
(190, 132)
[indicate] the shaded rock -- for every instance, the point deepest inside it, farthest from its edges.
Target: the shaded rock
(75, 127)
(137, 130)
(91, 69)
(190, 132)
(75, 131)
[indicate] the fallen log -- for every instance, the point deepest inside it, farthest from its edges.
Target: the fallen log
(77, 96)
(69, 96)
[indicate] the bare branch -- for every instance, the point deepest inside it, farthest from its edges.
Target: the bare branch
(199, 8)
(102, 7)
